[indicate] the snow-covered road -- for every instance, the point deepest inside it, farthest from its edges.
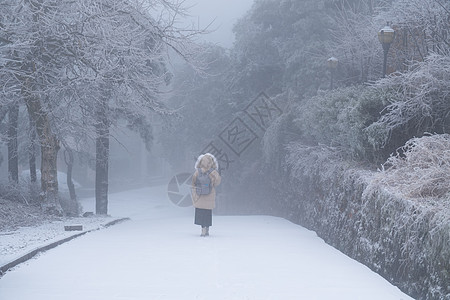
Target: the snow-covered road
(160, 255)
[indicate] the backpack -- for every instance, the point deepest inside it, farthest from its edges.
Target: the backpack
(203, 184)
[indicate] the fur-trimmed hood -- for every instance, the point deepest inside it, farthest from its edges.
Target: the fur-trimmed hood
(206, 161)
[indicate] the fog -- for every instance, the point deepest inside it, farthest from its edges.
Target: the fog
(218, 16)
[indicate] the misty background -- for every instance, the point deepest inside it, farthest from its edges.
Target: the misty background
(220, 16)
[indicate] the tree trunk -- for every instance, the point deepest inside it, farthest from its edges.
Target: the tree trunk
(102, 158)
(49, 153)
(32, 151)
(49, 174)
(68, 157)
(13, 158)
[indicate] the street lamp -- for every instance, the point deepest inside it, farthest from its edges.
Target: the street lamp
(332, 65)
(386, 37)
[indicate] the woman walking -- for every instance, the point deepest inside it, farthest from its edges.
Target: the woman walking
(204, 181)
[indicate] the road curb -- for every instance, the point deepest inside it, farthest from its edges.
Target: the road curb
(5, 268)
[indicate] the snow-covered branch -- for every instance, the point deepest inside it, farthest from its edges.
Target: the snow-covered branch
(420, 169)
(420, 98)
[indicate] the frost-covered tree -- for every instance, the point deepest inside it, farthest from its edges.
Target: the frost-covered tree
(9, 107)
(426, 21)
(354, 41)
(120, 69)
(282, 45)
(81, 65)
(32, 62)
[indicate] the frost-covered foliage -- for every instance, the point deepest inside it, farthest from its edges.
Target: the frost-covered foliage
(421, 29)
(420, 169)
(24, 193)
(406, 241)
(15, 214)
(429, 17)
(310, 161)
(277, 135)
(420, 99)
(339, 118)
(281, 45)
(272, 140)
(354, 40)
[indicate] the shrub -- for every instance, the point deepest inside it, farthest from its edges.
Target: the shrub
(339, 118)
(420, 99)
(419, 169)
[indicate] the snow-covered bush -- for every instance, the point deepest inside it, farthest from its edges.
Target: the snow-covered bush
(274, 140)
(21, 193)
(420, 99)
(420, 169)
(310, 161)
(338, 119)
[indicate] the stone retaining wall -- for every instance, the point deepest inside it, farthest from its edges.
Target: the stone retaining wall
(405, 241)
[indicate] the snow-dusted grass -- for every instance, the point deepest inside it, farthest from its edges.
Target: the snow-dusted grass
(160, 255)
(420, 169)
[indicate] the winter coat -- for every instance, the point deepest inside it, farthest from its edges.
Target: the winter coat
(206, 162)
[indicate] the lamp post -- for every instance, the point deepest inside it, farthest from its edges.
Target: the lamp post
(332, 65)
(386, 37)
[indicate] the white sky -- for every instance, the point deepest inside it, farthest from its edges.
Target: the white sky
(224, 13)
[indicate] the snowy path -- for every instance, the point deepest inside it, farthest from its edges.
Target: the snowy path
(159, 255)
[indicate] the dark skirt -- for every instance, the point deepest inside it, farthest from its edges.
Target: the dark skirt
(203, 217)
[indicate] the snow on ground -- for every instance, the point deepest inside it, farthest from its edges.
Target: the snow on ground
(14, 244)
(160, 255)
